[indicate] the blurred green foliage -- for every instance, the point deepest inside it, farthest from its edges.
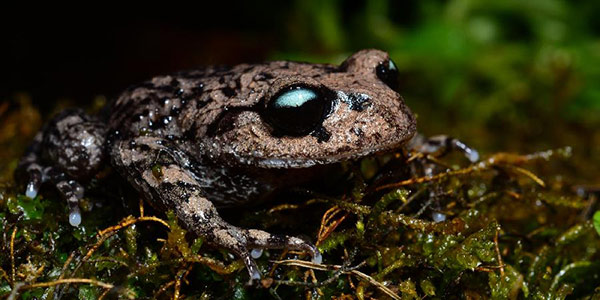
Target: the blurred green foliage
(515, 75)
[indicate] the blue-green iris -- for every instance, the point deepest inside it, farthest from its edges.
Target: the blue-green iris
(295, 98)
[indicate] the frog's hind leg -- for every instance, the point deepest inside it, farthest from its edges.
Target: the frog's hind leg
(159, 171)
(29, 169)
(69, 148)
(70, 190)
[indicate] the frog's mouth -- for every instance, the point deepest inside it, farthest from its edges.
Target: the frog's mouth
(298, 163)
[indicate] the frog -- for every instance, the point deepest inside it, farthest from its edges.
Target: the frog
(196, 141)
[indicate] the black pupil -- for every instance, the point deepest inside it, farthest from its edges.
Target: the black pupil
(296, 111)
(388, 73)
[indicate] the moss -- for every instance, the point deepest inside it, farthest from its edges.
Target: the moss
(506, 234)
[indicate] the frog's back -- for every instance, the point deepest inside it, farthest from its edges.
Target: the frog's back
(187, 104)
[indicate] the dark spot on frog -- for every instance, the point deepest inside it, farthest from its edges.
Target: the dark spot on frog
(138, 117)
(357, 131)
(263, 76)
(175, 110)
(225, 121)
(321, 134)
(228, 92)
(357, 101)
(142, 147)
(112, 135)
(174, 84)
(145, 102)
(201, 104)
(197, 90)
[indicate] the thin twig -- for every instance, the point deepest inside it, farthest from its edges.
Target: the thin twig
(180, 275)
(320, 267)
(526, 173)
(326, 229)
(325, 282)
(163, 289)
(110, 231)
(12, 255)
(68, 280)
(498, 253)
(103, 294)
(4, 275)
(141, 207)
(21, 286)
(129, 221)
(506, 160)
(377, 284)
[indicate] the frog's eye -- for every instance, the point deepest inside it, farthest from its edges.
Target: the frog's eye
(297, 110)
(388, 73)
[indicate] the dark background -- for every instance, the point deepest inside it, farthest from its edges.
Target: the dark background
(78, 56)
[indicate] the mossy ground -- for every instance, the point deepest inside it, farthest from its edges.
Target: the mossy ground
(513, 228)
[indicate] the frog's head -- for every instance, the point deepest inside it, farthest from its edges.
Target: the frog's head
(320, 114)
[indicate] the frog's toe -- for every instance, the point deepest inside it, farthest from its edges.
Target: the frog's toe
(72, 192)
(75, 217)
(34, 181)
(251, 266)
(249, 245)
(471, 154)
(32, 189)
(256, 253)
(259, 239)
(440, 145)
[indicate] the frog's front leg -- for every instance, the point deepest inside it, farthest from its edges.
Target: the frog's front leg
(440, 145)
(158, 170)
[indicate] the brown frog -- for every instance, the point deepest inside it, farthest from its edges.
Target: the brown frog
(226, 136)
